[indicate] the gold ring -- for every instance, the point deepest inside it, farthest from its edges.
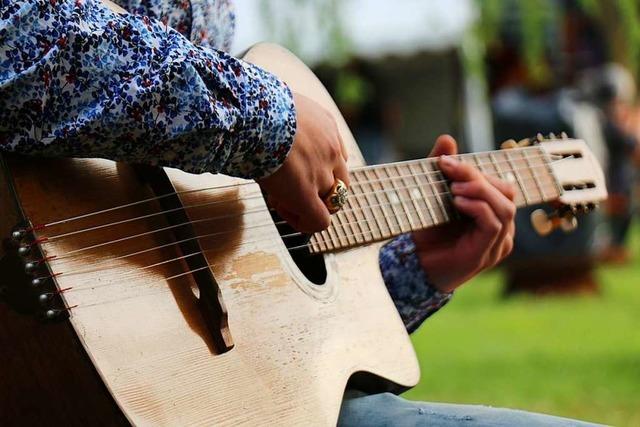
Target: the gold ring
(337, 197)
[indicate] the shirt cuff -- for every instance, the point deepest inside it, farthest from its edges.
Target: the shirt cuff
(412, 292)
(265, 136)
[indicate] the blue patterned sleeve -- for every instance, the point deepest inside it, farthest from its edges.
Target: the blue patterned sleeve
(408, 284)
(79, 80)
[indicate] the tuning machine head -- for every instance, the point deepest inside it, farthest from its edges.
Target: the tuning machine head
(512, 143)
(544, 223)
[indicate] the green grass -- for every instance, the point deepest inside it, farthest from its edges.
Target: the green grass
(571, 356)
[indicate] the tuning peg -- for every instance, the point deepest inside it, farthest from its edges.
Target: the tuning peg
(564, 135)
(541, 222)
(544, 223)
(524, 142)
(551, 135)
(540, 137)
(568, 223)
(508, 144)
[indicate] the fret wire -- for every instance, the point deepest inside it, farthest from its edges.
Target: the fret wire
(371, 211)
(505, 175)
(425, 199)
(479, 164)
(382, 209)
(517, 176)
(402, 203)
(348, 214)
(534, 176)
(336, 242)
(362, 211)
(415, 196)
(386, 194)
(527, 177)
(431, 185)
(321, 242)
(339, 226)
(449, 207)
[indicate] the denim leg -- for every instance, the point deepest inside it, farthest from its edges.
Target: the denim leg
(389, 410)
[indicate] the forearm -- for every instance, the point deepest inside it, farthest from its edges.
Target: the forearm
(77, 79)
(414, 296)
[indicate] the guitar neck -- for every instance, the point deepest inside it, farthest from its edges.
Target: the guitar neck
(395, 198)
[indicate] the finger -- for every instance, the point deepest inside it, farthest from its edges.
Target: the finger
(326, 180)
(456, 170)
(445, 146)
(316, 218)
(343, 147)
(488, 224)
(341, 172)
(506, 188)
(507, 246)
(313, 215)
(289, 216)
(481, 189)
(503, 245)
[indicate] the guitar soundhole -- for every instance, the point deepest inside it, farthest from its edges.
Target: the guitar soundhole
(311, 265)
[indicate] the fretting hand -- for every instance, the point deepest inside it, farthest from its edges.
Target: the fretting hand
(455, 252)
(317, 158)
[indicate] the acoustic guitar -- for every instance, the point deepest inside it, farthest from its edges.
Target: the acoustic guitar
(154, 297)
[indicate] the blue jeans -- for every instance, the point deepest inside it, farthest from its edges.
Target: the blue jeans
(388, 410)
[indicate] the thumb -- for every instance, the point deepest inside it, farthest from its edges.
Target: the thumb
(445, 146)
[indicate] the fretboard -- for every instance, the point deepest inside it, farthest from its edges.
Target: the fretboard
(391, 199)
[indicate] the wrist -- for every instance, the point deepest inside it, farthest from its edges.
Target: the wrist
(262, 142)
(438, 279)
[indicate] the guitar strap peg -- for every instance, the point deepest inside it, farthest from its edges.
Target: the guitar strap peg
(508, 144)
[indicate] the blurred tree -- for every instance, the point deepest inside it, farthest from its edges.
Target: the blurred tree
(285, 20)
(618, 19)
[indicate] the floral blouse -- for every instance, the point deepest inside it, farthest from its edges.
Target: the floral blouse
(156, 86)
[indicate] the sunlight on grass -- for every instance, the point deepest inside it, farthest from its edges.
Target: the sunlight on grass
(571, 356)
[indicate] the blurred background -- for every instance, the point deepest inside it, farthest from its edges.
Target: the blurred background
(556, 328)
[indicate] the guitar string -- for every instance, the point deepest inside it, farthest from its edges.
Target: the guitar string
(262, 210)
(94, 228)
(49, 239)
(205, 267)
(132, 272)
(231, 186)
(247, 243)
(347, 237)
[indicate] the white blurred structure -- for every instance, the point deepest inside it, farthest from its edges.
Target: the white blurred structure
(374, 27)
(377, 29)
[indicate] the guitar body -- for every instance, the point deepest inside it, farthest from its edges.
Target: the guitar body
(137, 348)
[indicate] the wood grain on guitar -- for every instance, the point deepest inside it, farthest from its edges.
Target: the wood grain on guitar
(115, 255)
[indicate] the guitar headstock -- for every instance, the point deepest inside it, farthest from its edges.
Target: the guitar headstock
(579, 177)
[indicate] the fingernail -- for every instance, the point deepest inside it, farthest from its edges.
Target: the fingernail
(457, 187)
(448, 161)
(460, 199)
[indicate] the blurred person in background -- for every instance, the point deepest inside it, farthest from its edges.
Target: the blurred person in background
(613, 91)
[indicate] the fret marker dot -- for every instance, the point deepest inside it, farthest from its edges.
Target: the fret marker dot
(416, 194)
(510, 177)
